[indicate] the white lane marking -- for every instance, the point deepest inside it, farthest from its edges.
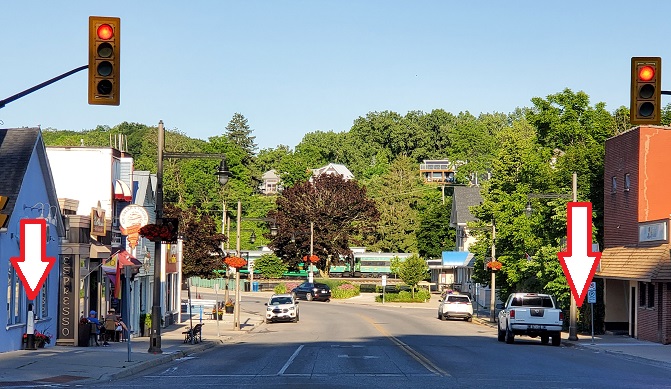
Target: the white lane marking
(291, 359)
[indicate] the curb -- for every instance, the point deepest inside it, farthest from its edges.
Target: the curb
(204, 345)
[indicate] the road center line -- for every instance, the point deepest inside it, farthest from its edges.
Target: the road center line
(424, 361)
(291, 359)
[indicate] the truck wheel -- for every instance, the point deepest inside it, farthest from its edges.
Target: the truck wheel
(545, 339)
(556, 340)
(501, 335)
(510, 337)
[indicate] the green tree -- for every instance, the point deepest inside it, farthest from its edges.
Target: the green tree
(239, 132)
(270, 266)
(434, 234)
(413, 270)
(397, 195)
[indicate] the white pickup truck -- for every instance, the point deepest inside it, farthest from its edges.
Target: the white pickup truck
(533, 315)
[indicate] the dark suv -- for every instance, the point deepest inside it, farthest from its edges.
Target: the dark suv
(312, 291)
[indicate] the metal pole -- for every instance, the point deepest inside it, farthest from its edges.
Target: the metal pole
(155, 336)
(127, 275)
(591, 306)
(223, 231)
(236, 308)
(216, 306)
(573, 328)
(492, 297)
(312, 233)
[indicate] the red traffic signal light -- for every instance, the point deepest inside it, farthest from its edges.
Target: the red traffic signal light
(104, 45)
(646, 90)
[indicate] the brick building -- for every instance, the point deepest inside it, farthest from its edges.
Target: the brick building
(636, 261)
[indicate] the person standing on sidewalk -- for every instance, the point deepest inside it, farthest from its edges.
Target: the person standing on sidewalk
(95, 328)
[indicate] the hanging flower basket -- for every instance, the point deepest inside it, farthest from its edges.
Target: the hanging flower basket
(156, 233)
(494, 265)
(311, 258)
(235, 262)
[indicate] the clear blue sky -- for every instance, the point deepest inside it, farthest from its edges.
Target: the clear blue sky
(293, 67)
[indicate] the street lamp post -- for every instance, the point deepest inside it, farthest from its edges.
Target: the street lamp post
(224, 175)
(573, 310)
(311, 278)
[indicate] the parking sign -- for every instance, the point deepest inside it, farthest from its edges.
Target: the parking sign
(591, 293)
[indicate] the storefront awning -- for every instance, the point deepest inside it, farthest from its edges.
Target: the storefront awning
(99, 252)
(122, 191)
(647, 264)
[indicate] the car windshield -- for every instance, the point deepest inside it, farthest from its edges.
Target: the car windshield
(280, 300)
(321, 286)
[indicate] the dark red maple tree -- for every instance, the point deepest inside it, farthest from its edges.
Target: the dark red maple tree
(341, 214)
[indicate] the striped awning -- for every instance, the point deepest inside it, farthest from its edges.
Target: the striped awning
(122, 191)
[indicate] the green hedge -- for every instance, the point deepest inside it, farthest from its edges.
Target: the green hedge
(421, 296)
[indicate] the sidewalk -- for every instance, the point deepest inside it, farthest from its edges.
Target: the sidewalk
(79, 365)
(624, 345)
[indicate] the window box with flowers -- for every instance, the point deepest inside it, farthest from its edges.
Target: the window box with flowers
(494, 265)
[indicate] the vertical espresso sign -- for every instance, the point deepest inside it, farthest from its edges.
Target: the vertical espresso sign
(67, 298)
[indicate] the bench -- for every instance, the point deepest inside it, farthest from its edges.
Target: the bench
(194, 334)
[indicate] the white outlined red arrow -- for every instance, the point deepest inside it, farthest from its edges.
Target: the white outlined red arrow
(33, 266)
(579, 261)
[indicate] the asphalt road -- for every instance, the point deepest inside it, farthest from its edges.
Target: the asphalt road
(337, 345)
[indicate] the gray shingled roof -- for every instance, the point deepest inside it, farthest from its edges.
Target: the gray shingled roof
(464, 197)
(16, 149)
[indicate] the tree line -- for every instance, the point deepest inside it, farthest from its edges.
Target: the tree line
(534, 149)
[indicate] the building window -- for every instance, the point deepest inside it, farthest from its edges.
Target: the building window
(15, 301)
(641, 294)
(651, 295)
(613, 184)
(627, 182)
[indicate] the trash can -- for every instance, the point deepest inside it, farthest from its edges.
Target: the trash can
(245, 285)
(255, 286)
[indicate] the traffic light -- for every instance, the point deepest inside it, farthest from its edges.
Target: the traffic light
(104, 38)
(646, 90)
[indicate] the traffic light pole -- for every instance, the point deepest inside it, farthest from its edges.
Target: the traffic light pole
(40, 86)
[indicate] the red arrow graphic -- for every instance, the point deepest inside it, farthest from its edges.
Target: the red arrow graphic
(579, 261)
(33, 266)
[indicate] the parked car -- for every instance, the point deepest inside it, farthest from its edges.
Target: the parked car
(312, 291)
(533, 315)
(282, 307)
(455, 305)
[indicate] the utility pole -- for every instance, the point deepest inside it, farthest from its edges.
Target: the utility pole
(236, 307)
(573, 328)
(492, 297)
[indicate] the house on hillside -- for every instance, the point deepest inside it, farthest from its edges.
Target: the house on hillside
(270, 183)
(334, 168)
